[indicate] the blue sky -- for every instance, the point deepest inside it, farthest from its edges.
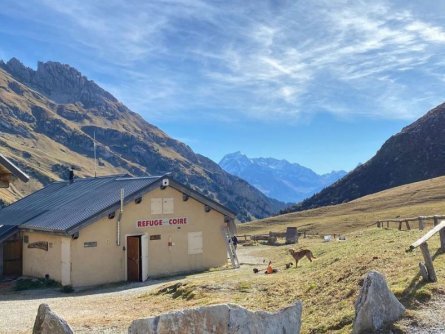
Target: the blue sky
(321, 83)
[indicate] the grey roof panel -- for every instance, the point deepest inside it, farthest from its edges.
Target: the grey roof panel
(64, 207)
(6, 231)
(61, 206)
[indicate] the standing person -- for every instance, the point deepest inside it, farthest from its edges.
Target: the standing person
(235, 241)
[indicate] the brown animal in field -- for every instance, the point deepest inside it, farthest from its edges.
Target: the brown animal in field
(298, 255)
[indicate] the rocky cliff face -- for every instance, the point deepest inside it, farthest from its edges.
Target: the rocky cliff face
(279, 179)
(414, 154)
(48, 118)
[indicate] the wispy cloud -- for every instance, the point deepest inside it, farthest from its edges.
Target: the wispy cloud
(262, 60)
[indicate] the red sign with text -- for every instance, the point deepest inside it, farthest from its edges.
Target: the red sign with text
(162, 222)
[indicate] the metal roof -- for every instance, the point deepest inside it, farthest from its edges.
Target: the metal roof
(6, 231)
(64, 207)
(13, 169)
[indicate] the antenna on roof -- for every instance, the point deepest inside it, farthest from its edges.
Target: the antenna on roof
(95, 161)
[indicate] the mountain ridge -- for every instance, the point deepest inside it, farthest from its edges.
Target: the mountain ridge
(414, 154)
(280, 179)
(48, 117)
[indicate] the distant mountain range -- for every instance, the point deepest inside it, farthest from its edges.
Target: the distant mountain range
(47, 120)
(279, 179)
(414, 154)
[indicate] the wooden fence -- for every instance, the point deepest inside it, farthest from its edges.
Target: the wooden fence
(272, 237)
(421, 220)
(427, 269)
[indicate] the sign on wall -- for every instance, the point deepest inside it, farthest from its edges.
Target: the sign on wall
(39, 245)
(177, 221)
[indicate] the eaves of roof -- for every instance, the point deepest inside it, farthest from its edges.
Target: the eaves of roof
(15, 171)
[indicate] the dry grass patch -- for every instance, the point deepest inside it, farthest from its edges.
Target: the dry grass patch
(328, 286)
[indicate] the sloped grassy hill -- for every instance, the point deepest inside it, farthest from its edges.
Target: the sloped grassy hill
(421, 198)
(47, 120)
(414, 154)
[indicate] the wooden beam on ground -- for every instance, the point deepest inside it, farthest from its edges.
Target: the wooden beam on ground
(400, 225)
(428, 235)
(428, 262)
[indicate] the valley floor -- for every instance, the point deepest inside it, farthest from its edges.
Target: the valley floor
(328, 288)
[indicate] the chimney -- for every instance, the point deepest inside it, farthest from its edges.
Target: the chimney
(71, 175)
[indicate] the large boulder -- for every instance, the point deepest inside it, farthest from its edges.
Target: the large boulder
(47, 322)
(221, 319)
(376, 306)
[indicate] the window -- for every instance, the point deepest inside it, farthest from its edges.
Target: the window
(195, 243)
(167, 205)
(155, 237)
(162, 206)
(156, 206)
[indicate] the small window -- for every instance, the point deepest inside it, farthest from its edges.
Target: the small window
(194, 243)
(111, 215)
(138, 200)
(156, 206)
(167, 205)
(155, 237)
(25, 239)
(90, 244)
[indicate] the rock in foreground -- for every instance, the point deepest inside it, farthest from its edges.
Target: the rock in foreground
(376, 306)
(47, 322)
(221, 319)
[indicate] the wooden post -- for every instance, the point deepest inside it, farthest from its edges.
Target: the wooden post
(428, 262)
(400, 225)
(304, 235)
(436, 220)
(423, 272)
(378, 224)
(407, 225)
(442, 239)
(421, 226)
(387, 224)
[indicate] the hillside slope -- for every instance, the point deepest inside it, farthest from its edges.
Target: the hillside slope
(414, 154)
(279, 179)
(48, 118)
(421, 198)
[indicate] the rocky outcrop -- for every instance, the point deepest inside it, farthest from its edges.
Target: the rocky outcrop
(376, 306)
(47, 322)
(222, 319)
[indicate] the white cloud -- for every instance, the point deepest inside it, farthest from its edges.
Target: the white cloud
(264, 60)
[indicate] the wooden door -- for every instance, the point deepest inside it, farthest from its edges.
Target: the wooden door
(134, 258)
(12, 258)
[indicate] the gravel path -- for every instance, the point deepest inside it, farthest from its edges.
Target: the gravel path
(433, 318)
(100, 310)
(104, 310)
